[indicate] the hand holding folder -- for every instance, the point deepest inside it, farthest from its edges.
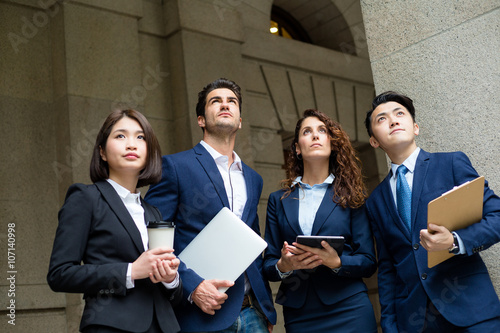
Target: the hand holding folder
(456, 209)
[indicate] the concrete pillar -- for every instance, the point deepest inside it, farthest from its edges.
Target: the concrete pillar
(444, 55)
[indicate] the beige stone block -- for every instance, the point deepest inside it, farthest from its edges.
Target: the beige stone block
(217, 18)
(303, 93)
(33, 296)
(129, 7)
(155, 90)
(267, 47)
(267, 146)
(86, 116)
(374, 299)
(272, 176)
(164, 132)
(490, 258)
(34, 223)
(260, 112)
(282, 95)
(325, 97)
(50, 321)
(182, 108)
(254, 79)
(406, 23)
(364, 97)
(28, 142)
(25, 65)
(255, 14)
(152, 21)
(58, 50)
(102, 53)
(221, 58)
(344, 93)
(360, 42)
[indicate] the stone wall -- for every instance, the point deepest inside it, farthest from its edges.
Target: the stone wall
(66, 64)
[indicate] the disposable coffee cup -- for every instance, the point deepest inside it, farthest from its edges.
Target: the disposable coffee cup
(161, 234)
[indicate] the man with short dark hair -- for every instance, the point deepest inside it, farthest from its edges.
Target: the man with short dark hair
(456, 295)
(195, 185)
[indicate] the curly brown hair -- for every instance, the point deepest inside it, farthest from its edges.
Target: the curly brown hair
(349, 188)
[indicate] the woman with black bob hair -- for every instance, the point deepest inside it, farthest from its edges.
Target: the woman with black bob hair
(323, 195)
(101, 243)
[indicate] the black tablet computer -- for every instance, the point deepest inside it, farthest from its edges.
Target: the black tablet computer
(337, 242)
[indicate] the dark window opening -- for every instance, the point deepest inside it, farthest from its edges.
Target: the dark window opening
(284, 25)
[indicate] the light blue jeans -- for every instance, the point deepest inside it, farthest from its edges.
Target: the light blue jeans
(250, 320)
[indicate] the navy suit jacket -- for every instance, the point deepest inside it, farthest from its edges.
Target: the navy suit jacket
(460, 288)
(190, 193)
(96, 228)
(358, 257)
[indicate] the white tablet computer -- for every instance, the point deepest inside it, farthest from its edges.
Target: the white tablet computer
(223, 249)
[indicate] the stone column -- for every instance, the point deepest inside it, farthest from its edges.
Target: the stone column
(444, 55)
(204, 43)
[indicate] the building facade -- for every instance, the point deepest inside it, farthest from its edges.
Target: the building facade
(65, 64)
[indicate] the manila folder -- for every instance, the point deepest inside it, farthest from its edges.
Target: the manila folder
(456, 209)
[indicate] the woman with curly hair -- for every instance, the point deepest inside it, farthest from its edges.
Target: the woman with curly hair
(323, 195)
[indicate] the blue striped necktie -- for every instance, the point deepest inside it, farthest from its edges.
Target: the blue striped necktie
(403, 196)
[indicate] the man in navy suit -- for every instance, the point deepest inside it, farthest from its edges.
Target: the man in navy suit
(195, 185)
(456, 295)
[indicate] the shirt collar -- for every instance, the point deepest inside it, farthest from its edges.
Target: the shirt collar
(123, 192)
(409, 163)
(329, 180)
(219, 157)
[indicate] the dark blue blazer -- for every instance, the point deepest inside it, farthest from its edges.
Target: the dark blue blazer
(95, 228)
(460, 287)
(190, 193)
(358, 257)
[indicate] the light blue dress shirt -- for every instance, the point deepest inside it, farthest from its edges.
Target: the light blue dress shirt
(310, 198)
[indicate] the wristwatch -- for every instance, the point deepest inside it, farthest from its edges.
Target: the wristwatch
(454, 249)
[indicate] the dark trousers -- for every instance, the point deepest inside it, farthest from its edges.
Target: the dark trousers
(155, 328)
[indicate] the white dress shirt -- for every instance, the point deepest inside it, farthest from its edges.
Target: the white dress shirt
(234, 183)
(132, 202)
(232, 175)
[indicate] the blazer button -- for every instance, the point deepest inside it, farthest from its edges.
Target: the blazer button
(112, 291)
(101, 292)
(107, 291)
(416, 246)
(424, 276)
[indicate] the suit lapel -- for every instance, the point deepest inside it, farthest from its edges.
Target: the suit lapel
(291, 209)
(324, 211)
(208, 164)
(420, 173)
(116, 204)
